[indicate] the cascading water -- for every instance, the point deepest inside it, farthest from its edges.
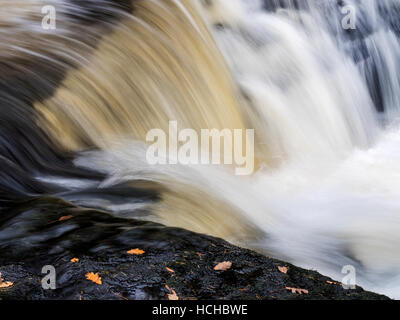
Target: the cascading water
(312, 89)
(323, 101)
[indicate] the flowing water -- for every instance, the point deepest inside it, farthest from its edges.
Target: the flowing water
(324, 101)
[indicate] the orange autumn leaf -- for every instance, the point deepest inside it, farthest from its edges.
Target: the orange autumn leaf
(283, 269)
(136, 251)
(65, 218)
(223, 266)
(298, 291)
(73, 260)
(5, 284)
(94, 277)
(170, 270)
(172, 295)
(333, 283)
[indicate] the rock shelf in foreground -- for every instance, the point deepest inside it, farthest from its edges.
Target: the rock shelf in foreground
(174, 261)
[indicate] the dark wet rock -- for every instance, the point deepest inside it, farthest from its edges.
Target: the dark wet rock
(32, 238)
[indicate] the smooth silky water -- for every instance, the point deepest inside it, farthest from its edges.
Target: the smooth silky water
(324, 103)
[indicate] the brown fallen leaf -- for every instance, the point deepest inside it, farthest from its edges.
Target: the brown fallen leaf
(136, 251)
(74, 260)
(223, 266)
(65, 218)
(243, 289)
(333, 283)
(94, 277)
(283, 269)
(170, 270)
(298, 291)
(172, 295)
(5, 284)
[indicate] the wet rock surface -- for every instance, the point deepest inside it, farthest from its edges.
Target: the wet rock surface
(174, 259)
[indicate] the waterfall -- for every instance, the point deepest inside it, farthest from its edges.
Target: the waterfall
(153, 76)
(322, 99)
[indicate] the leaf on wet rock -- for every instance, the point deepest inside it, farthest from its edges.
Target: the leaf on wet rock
(297, 291)
(170, 270)
(136, 251)
(223, 266)
(94, 277)
(65, 218)
(5, 284)
(333, 283)
(74, 260)
(283, 269)
(172, 295)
